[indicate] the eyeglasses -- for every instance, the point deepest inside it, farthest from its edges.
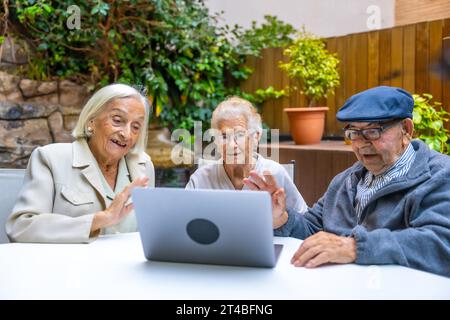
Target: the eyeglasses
(369, 133)
(238, 137)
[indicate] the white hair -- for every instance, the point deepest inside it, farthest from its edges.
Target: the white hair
(96, 105)
(236, 107)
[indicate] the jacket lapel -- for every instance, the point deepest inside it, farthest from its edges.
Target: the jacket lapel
(419, 172)
(85, 161)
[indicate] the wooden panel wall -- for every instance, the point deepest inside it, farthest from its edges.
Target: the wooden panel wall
(315, 166)
(402, 56)
(413, 11)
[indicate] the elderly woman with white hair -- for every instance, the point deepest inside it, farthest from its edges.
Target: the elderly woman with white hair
(238, 130)
(72, 192)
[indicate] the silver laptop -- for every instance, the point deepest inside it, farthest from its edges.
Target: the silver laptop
(206, 226)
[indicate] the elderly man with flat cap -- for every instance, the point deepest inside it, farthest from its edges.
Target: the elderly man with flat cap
(390, 207)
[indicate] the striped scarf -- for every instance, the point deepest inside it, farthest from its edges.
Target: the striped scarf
(370, 184)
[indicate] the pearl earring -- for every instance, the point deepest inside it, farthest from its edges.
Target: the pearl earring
(89, 129)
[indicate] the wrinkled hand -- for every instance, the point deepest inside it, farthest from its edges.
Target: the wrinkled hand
(269, 184)
(324, 247)
(261, 183)
(279, 213)
(118, 208)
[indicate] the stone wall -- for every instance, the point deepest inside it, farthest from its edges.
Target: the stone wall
(34, 113)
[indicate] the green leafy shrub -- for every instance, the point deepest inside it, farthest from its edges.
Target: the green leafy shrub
(429, 121)
(273, 33)
(174, 48)
(313, 69)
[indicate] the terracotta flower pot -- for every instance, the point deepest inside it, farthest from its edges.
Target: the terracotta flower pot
(307, 124)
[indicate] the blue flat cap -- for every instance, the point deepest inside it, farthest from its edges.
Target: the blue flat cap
(377, 104)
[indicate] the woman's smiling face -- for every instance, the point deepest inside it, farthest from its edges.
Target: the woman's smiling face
(236, 141)
(116, 129)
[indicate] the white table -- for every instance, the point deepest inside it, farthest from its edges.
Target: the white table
(114, 267)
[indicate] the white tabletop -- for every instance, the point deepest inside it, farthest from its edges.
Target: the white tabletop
(114, 267)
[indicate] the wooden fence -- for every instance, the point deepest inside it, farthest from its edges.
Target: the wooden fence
(401, 56)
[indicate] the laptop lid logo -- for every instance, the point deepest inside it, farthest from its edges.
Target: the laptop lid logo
(202, 231)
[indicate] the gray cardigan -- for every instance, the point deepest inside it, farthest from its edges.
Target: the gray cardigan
(407, 222)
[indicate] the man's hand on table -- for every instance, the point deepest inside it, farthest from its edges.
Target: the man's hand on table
(324, 247)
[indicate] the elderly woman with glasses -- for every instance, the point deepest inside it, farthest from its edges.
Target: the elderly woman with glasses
(238, 129)
(72, 192)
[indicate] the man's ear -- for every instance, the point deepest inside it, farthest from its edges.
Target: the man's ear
(408, 127)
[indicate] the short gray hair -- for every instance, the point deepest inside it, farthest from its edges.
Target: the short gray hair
(97, 103)
(236, 107)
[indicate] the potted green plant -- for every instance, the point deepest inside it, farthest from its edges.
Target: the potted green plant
(429, 123)
(313, 71)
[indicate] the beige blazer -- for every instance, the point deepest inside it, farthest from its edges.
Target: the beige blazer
(61, 192)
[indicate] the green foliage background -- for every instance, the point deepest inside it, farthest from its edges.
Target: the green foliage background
(175, 49)
(429, 121)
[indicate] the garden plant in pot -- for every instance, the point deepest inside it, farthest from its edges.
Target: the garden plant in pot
(313, 72)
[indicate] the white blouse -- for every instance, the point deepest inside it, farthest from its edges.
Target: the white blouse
(214, 176)
(129, 223)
